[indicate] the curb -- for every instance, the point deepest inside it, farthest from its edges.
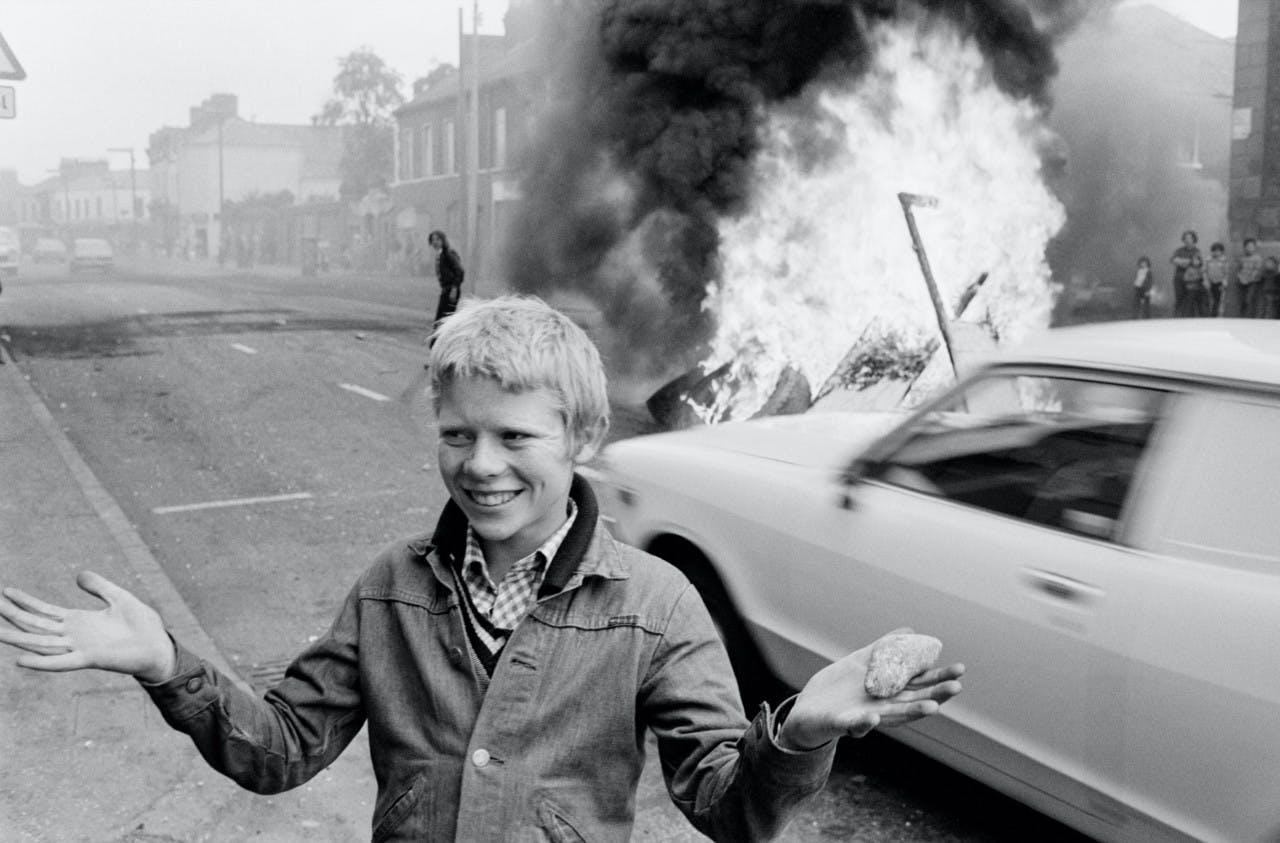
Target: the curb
(164, 597)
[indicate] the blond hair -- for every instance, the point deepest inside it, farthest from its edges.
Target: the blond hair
(523, 343)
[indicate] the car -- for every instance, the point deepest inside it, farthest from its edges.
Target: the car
(1086, 521)
(92, 253)
(49, 250)
(9, 250)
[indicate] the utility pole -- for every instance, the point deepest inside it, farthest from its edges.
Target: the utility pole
(66, 204)
(473, 152)
(222, 202)
(133, 192)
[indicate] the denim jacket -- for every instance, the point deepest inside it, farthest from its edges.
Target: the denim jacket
(551, 747)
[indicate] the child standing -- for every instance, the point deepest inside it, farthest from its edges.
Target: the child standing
(509, 662)
(1216, 271)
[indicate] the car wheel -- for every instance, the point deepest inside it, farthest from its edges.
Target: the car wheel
(756, 682)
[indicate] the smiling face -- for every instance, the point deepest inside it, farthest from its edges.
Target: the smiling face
(507, 459)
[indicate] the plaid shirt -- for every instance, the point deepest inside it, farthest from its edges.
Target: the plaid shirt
(503, 606)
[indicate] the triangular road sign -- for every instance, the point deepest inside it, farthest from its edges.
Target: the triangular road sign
(9, 67)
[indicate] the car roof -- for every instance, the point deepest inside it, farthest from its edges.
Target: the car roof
(1200, 349)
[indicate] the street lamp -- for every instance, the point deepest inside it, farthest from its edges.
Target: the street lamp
(66, 203)
(133, 191)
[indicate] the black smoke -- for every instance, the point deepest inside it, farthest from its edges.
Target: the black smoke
(657, 119)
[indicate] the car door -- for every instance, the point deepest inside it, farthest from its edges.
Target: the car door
(1199, 742)
(992, 521)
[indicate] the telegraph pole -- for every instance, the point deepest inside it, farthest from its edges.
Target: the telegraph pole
(133, 191)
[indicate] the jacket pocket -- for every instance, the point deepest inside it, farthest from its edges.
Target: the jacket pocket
(414, 800)
(558, 825)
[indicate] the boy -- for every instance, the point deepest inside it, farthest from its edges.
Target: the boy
(509, 663)
(1216, 270)
(1247, 276)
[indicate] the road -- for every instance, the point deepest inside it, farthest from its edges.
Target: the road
(266, 434)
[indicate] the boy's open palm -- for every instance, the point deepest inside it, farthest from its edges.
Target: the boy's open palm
(835, 702)
(126, 636)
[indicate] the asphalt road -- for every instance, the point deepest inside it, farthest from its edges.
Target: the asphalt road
(266, 434)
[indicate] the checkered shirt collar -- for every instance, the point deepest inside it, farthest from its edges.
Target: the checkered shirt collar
(505, 604)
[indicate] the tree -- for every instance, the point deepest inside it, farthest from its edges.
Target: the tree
(366, 92)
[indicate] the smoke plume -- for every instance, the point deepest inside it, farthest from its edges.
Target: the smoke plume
(657, 119)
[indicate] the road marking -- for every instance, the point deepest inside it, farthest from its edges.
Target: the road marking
(246, 349)
(190, 507)
(367, 393)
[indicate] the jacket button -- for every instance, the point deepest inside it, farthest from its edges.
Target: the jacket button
(195, 683)
(455, 656)
(480, 757)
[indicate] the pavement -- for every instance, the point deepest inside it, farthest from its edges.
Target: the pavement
(86, 757)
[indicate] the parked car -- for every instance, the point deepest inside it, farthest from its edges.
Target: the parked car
(9, 250)
(92, 253)
(49, 250)
(1087, 522)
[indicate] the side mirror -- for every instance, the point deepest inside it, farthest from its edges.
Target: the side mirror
(851, 476)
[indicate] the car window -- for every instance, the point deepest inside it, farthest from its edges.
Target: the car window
(1226, 512)
(1057, 451)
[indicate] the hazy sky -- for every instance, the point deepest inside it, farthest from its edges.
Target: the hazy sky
(108, 73)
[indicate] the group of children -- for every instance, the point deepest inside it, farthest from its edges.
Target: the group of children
(1205, 286)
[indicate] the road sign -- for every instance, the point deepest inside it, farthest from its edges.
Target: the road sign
(9, 67)
(7, 104)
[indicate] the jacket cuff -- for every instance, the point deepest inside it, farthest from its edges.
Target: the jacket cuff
(192, 688)
(787, 766)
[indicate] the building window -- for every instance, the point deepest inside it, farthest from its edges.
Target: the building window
(428, 150)
(500, 139)
(450, 160)
(99, 207)
(403, 169)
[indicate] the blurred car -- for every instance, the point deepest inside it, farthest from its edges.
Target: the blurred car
(1087, 522)
(92, 253)
(49, 250)
(9, 250)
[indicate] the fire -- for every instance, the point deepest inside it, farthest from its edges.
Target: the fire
(825, 248)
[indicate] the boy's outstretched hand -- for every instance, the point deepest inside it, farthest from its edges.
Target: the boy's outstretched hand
(835, 701)
(127, 636)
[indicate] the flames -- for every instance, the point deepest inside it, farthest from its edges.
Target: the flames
(824, 249)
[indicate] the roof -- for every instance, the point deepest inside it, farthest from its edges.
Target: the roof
(1235, 350)
(499, 61)
(237, 132)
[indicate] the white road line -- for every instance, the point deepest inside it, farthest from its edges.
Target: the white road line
(190, 507)
(246, 349)
(367, 393)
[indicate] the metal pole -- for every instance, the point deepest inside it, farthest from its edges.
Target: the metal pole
(473, 151)
(909, 200)
(133, 192)
(222, 204)
(133, 199)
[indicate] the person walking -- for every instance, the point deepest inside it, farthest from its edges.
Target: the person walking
(1181, 260)
(1142, 283)
(1216, 271)
(449, 274)
(1248, 271)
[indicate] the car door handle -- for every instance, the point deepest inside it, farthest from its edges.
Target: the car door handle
(1060, 587)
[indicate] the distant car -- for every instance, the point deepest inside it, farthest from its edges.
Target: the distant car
(92, 253)
(9, 250)
(49, 250)
(1088, 523)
